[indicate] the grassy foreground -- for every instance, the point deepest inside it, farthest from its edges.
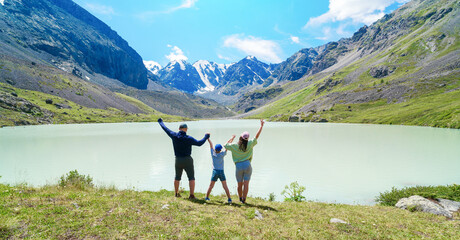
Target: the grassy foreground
(54, 212)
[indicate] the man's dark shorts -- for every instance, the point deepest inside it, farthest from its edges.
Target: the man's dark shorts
(184, 163)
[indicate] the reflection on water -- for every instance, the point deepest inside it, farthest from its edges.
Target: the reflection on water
(344, 163)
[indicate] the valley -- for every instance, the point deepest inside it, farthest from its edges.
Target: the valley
(402, 69)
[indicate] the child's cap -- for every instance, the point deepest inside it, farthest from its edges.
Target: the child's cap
(245, 135)
(218, 147)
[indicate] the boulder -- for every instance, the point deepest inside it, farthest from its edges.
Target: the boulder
(61, 106)
(258, 215)
(449, 205)
(337, 220)
(294, 118)
(381, 71)
(419, 203)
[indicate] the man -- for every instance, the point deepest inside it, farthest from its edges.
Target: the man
(182, 144)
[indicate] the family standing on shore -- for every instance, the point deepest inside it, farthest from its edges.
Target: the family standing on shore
(241, 153)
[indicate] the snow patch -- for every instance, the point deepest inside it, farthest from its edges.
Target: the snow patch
(181, 64)
(152, 66)
(250, 57)
(201, 66)
(255, 80)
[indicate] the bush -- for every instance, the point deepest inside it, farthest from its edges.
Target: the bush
(390, 198)
(74, 179)
(271, 197)
(293, 192)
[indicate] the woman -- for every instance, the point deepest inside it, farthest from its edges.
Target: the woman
(242, 156)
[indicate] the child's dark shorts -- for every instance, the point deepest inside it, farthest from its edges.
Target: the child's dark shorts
(218, 174)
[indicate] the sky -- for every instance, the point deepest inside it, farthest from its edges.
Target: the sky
(226, 31)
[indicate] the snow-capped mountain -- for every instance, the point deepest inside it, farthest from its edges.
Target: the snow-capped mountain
(205, 76)
(181, 75)
(210, 73)
(152, 66)
(248, 71)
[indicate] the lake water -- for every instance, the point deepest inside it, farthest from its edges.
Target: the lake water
(342, 163)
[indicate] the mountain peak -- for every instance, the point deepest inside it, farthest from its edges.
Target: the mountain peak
(250, 57)
(202, 62)
(152, 66)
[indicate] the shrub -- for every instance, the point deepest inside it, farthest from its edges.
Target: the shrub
(293, 192)
(271, 197)
(390, 198)
(74, 179)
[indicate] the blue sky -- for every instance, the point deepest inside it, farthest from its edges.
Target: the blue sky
(226, 31)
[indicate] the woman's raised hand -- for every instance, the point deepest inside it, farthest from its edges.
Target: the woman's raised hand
(260, 129)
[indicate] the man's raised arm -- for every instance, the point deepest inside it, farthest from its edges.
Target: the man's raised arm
(200, 142)
(167, 130)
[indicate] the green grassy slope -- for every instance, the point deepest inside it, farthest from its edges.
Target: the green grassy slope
(72, 112)
(423, 89)
(66, 213)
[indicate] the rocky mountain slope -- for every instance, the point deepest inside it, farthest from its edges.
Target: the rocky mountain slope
(57, 50)
(403, 69)
(247, 72)
(62, 33)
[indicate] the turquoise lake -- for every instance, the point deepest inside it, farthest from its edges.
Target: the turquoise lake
(337, 163)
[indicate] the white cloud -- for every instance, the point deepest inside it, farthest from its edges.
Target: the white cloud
(295, 39)
(176, 54)
(185, 4)
(359, 11)
(265, 50)
(99, 9)
(224, 57)
(148, 15)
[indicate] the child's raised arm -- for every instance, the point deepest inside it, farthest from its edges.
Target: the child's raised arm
(210, 143)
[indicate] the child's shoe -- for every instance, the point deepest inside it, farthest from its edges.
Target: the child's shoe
(229, 201)
(207, 199)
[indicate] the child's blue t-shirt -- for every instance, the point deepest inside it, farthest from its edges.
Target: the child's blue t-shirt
(218, 159)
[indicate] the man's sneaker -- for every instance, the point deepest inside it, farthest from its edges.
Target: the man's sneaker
(192, 197)
(207, 199)
(229, 201)
(177, 195)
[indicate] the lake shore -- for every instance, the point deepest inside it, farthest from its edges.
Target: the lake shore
(107, 213)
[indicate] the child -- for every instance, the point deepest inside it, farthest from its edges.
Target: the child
(218, 169)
